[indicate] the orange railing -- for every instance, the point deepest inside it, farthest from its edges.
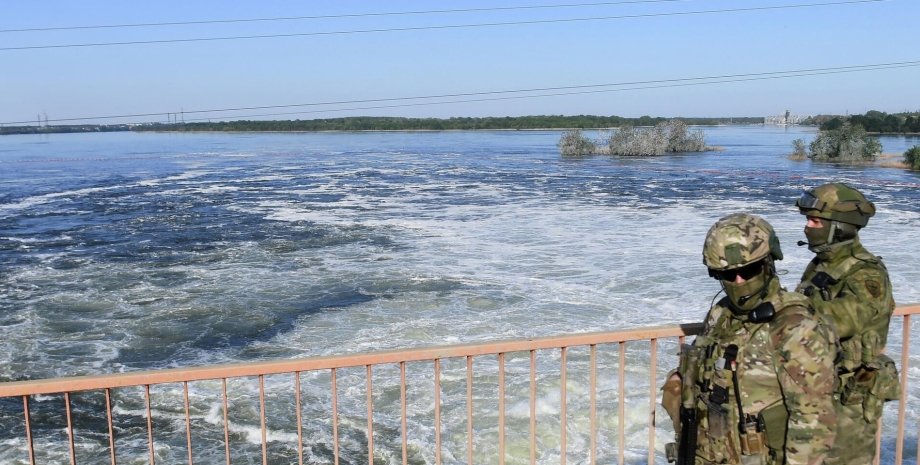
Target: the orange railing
(591, 428)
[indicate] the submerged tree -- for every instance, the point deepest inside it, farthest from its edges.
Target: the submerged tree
(667, 136)
(848, 143)
(575, 144)
(912, 157)
(664, 137)
(799, 150)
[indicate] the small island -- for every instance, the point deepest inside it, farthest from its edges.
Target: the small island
(672, 136)
(851, 139)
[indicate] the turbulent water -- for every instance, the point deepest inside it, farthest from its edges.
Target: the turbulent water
(127, 251)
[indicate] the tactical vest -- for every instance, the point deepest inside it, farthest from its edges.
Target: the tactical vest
(827, 282)
(734, 352)
(867, 375)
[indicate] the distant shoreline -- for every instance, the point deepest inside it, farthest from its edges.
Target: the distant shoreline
(51, 130)
(226, 128)
(391, 124)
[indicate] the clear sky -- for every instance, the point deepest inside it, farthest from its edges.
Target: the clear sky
(657, 43)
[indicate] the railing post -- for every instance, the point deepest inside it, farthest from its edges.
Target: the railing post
(403, 413)
(501, 408)
(335, 418)
(370, 415)
(226, 419)
(593, 387)
(621, 408)
(25, 410)
(563, 452)
(437, 411)
(149, 425)
(533, 407)
(652, 372)
(108, 416)
(469, 409)
(188, 422)
(902, 402)
(299, 406)
(70, 439)
(262, 420)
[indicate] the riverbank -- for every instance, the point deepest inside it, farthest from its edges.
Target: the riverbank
(891, 160)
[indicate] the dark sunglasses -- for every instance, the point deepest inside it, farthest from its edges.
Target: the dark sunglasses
(746, 272)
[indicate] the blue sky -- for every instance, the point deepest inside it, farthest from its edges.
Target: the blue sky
(652, 41)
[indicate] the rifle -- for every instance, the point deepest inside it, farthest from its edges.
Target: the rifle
(686, 451)
(687, 440)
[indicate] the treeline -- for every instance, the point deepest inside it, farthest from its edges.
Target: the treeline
(369, 123)
(58, 129)
(383, 123)
(876, 122)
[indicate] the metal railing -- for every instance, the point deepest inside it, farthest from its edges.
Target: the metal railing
(565, 353)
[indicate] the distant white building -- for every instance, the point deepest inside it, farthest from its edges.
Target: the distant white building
(784, 119)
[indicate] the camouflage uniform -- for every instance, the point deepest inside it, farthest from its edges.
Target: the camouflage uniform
(851, 286)
(758, 381)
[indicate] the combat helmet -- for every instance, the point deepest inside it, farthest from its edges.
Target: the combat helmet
(746, 245)
(837, 201)
(841, 210)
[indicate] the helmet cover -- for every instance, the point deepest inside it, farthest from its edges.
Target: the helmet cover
(739, 239)
(836, 201)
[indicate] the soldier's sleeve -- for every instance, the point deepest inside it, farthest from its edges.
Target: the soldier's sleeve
(805, 367)
(863, 301)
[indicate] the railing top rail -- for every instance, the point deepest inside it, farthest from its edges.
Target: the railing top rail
(235, 370)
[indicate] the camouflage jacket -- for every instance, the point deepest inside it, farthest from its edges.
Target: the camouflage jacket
(786, 363)
(857, 297)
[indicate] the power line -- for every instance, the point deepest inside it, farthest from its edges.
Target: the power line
(559, 94)
(497, 94)
(442, 27)
(351, 15)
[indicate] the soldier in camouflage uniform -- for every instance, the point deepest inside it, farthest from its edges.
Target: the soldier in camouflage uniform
(850, 285)
(756, 385)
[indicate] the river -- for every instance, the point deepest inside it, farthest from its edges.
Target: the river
(126, 251)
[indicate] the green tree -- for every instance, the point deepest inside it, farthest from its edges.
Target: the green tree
(912, 157)
(799, 150)
(832, 124)
(911, 124)
(849, 143)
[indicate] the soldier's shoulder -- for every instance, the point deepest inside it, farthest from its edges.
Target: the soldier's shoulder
(794, 300)
(868, 260)
(793, 313)
(797, 329)
(717, 313)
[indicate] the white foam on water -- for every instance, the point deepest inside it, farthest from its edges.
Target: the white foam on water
(43, 199)
(191, 174)
(444, 257)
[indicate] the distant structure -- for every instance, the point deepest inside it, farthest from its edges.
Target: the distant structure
(784, 119)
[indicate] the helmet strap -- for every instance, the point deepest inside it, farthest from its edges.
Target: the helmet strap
(830, 232)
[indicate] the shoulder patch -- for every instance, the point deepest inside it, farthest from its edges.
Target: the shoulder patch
(874, 287)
